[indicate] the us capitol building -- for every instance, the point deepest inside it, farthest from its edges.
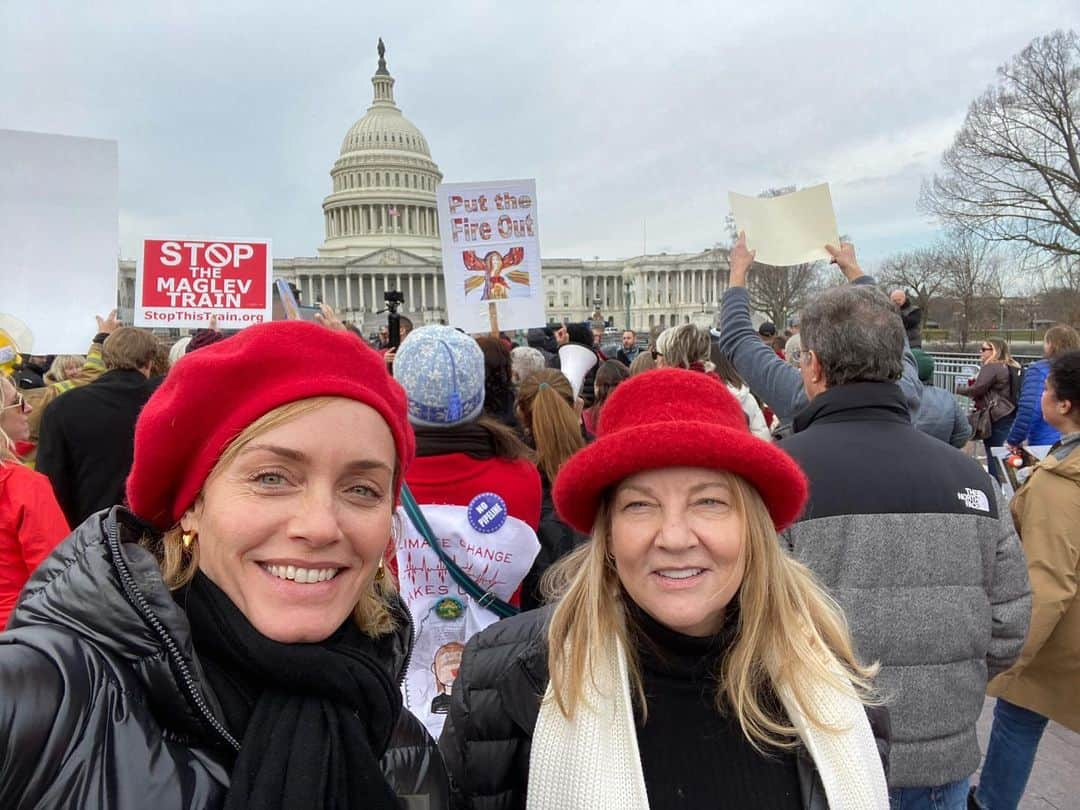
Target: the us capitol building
(382, 233)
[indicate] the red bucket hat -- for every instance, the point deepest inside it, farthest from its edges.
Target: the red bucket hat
(211, 395)
(675, 418)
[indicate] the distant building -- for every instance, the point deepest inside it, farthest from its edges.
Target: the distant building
(381, 232)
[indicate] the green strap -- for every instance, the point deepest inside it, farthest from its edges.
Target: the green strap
(485, 599)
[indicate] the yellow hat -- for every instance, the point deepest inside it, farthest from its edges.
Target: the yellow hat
(9, 353)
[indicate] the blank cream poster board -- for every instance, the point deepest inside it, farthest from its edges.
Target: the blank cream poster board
(789, 229)
(59, 240)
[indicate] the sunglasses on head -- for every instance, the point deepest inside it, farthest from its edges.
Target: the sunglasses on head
(20, 402)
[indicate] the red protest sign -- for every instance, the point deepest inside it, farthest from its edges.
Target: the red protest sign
(183, 282)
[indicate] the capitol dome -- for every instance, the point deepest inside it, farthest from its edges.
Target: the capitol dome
(383, 182)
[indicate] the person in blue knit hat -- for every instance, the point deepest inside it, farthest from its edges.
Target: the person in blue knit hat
(479, 490)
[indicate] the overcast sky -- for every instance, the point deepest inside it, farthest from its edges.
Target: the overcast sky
(229, 115)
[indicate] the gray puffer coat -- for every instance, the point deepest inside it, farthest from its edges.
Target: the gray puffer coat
(103, 703)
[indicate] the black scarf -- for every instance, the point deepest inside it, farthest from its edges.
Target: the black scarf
(313, 719)
(472, 438)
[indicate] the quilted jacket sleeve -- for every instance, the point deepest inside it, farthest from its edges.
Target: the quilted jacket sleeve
(1030, 398)
(27, 734)
(1010, 597)
(961, 432)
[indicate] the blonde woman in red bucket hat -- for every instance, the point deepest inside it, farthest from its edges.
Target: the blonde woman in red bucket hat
(686, 660)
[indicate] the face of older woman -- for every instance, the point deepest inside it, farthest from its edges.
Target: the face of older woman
(678, 541)
(293, 528)
(13, 417)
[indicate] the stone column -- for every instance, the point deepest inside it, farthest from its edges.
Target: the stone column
(423, 292)
(322, 287)
(360, 291)
(348, 292)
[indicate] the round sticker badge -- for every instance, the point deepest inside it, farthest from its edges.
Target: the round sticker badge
(487, 513)
(449, 608)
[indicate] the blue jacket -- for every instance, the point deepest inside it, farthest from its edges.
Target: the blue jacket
(1029, 423)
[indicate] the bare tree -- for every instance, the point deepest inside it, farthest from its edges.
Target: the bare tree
(1012, 174)
(972, 271)
(916, 270)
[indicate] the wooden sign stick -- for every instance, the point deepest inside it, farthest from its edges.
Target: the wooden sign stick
(493, 316)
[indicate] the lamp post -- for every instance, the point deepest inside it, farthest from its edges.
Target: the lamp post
(1001, 316)
(628, 276)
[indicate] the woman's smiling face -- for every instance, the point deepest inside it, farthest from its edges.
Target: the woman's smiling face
(678, 542)
(293, 527)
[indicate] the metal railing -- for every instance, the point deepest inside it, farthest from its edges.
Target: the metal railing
(951, 370)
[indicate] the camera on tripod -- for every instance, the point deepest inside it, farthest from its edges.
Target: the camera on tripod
(392, 299)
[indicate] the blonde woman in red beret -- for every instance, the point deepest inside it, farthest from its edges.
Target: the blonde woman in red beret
(31, 521)
(687, 661)
(229, 640)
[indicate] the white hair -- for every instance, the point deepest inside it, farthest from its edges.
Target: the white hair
(178, 350)
(525, 360)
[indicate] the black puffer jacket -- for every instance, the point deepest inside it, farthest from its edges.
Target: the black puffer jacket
(103, 700)
(487, 739)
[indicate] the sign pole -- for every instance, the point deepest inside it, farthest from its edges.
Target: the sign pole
(493, 316)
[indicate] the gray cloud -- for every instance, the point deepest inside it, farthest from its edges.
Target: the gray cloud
(230, 115)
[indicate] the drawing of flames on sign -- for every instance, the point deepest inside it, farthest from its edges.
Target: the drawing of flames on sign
(496, 276)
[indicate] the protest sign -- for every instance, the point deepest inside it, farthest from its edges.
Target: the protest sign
(495, 550)
(181, 283)
(491, 255)
(59, 236)
(789, 229)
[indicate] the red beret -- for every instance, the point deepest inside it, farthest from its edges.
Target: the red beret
(675, 418)
(211, 395)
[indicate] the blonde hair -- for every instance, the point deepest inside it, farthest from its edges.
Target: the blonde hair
(1002, 353)
(1061, 338)
(682, 346)
(790, 633)
(643, 362)
(7, 446)
(545, 402)
(58, 370)
(373, 613)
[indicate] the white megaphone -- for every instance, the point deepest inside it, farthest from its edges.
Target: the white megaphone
(18, 332)
(575, 362)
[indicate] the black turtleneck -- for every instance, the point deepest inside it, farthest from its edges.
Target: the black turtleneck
(692, 755)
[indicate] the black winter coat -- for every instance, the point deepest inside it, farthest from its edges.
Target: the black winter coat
(104, 703)
(87, 441)
(487, 739)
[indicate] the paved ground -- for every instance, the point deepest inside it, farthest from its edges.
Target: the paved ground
(1055, 779)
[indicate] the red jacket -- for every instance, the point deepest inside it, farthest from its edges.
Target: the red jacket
(31, 524)
(457, 478)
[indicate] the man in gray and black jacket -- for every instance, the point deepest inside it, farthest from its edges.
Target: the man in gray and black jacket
(907, 533)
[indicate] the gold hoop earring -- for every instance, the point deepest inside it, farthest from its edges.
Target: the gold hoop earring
(380, 572)
(188, 538)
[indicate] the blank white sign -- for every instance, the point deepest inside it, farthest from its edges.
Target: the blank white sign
(59, 241)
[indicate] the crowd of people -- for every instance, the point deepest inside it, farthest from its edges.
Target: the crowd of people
(725, 566)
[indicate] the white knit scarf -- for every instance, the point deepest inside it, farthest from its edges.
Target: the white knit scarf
(593, 761)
